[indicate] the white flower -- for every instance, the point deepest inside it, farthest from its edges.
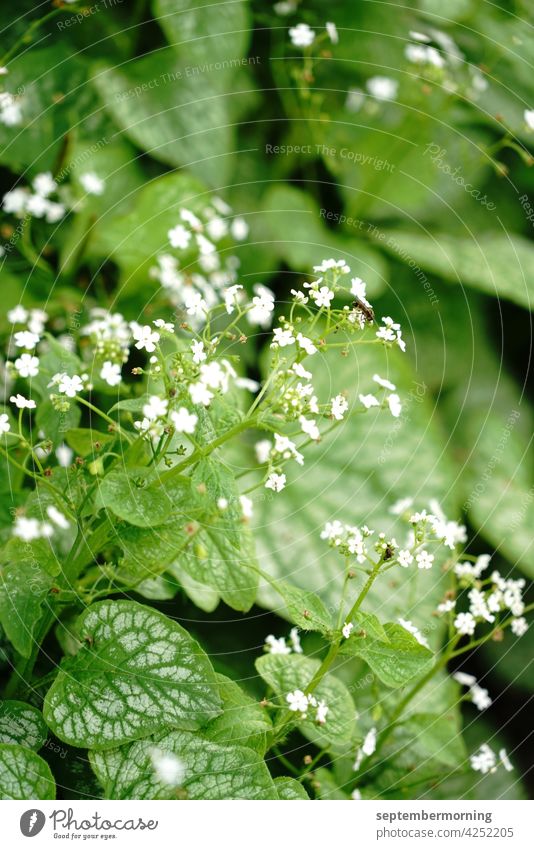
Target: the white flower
(383, 382)
(480, 697)
(277, 645)
(231, 297)
(199, 353)
(282, 338)
(15, 201)
(69, 386)
(415, 632)
(464, 679)
(519, 626)
(332, 32)
(164, 325)
(179, 237)
(505, 760)
(368, 748)
(22, 403)
(169, 769)
(44, 184)
(528, 115)
(5, 427)
(309, 427)
(338, 407)
(382, 88)
(322, 710)
(302, 35)
(465, 623)
(262, 306)
(401, 506)
(262, 450)
(297, 701)
(446, 606)
(27, 365)
(247, 383)
(424, 559)
(191, 219)
(405, 557)
(26, 339)
(27, 529)
(200, 394)
(184, 421)
(484, 760)
(111, 373)
(156, 408)
(275, 482)
(92, 183)
(418, 36)
(347, 629)
(478, 606)
(239, 229)
(295, 640)
(57, 517)
(54, 212)
(337, 265)
(369, 401)
(145, 337)
(395, 406)
(391, 332)
(18, 315)
(246, 506)
(306, 344)
(322, 296)
(64, 455)
(300, 371)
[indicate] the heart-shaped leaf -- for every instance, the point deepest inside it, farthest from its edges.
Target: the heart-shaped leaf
(21, 723)
(137, 671)
(24, 775)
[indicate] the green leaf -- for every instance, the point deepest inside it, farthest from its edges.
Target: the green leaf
(211, 771)
(304, 609)
(24, 588)
(82, 440)
(214, 35)
(289, 789)
(433, 737)
(366, 625)
(180, 118)
(53, 423)
(22, 724)
(499, 265)
(395, 662)
(243, 721)
(300, 236)
(137, 671)
(24, 775)
(212, 480)
(285, 673)
(137, 499)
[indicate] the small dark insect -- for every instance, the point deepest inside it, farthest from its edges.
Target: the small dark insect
(365, 308)
(388, 553)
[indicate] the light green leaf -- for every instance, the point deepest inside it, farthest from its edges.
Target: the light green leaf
(304, 609)
(366, 625)
(289, 789)
(24, 775)
(395, 662)
(211, 771)
(24, 588)
(286, 673)
(213, 34)
(497, 264)
(137, 498)
(433, 737)
(21, 723)
(137, 671)
(243, 721)
(83, 439)
(300, 236)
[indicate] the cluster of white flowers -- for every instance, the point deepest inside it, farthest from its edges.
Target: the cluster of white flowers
(300, 702)
(35, 201)
(392, 401)
(485, 760)
(479, 695)
(278, 645)
(34, 322)
(302, 35)
(208, 275)
(348, 539)
(498, 595)
(445, 531)
(110, 336)
(29, 529)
